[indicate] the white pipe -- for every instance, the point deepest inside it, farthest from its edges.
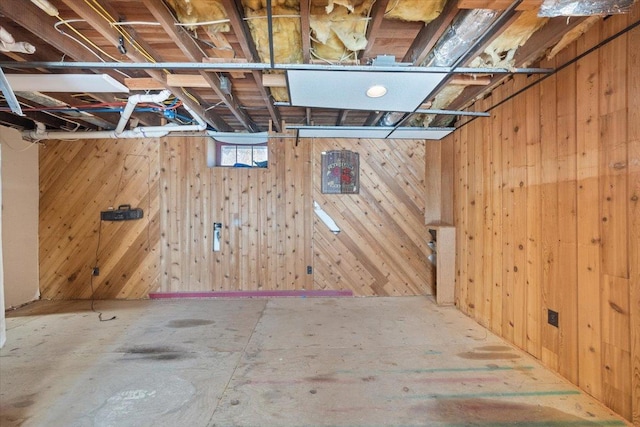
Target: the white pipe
(137, 132)
(107, 134)
(135, 100)
(202, 125)
(8, 44)
(6, 37)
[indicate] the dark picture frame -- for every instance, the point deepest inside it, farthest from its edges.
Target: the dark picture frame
(340, 172)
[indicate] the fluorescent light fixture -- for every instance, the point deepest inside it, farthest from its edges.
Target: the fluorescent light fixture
(376, 91)
(348, 89)
(71, 83)
(420, 133)
(240, 138)
(373, 132)
(46, 6)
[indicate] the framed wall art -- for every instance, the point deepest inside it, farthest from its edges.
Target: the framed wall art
(340, 172)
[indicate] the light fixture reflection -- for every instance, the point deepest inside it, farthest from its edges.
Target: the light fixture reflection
(376, 91)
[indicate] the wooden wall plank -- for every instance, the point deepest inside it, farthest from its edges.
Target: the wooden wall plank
(508, 223)
(549, 195)
(613, 172)
(381, 248)
(487, 219)
(566, 148)
(497, 221)
(633, 195)
(470, 214)
(76, 184)
(518, 178)
(533, 247)
(588, 239)
(567, 210)
(433, 175)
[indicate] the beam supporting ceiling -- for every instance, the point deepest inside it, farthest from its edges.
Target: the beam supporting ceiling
(104, 28)
(430, 34)
(188, 46)
(377, 14)
(305, 26)
(243, 34)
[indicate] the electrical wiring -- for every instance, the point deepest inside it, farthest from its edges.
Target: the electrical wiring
(214, 106)
(93, 4)
(191, 97)
(195, 24)
(104, 107)
(69, 21)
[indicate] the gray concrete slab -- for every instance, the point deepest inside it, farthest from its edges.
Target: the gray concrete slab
(277, 362)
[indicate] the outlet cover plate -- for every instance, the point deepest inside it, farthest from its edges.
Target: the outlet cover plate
(552, 318)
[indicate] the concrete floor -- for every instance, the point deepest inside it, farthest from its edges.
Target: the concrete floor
(276, 362)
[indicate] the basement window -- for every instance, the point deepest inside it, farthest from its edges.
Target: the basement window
(241, 155)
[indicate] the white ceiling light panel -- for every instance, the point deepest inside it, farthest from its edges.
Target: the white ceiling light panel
(420, 133)
(71, 83)
(347, 90)
(371, 132)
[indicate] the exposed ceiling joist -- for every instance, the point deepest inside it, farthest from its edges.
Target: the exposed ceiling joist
(23, 123)
(188, 46)
(545, 38)
(377, 14)
(342, 115)
(235, 15)
(104, 28)
(305, 27)
(430, 34)
(210, 43)
(498, 4)
(41, 25)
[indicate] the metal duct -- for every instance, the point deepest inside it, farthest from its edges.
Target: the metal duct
(553, 8)
(459, 38)
(391, 118)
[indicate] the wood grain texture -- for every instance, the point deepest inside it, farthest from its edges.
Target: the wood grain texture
(633, 153)
(382, 246)
(77, 181)
(562, 234)
(265, 216)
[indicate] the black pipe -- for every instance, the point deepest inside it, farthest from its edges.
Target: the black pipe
(270, 30)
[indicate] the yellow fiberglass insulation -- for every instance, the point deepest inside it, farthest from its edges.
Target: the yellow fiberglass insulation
(448, 94)
(336, 34)
(414, 10)
(196, 11)
(501, 51)
(287, 43)
(571, 36)
(262, 4)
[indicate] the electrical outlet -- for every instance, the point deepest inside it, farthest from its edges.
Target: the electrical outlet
(552, 318)
(309, 269)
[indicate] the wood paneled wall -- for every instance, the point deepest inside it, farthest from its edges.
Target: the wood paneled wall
(548, 217)
(266, 217)
(78, 179)
(382, 246)
(270, 231)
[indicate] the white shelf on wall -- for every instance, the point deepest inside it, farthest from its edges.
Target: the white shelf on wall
(444, 258)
